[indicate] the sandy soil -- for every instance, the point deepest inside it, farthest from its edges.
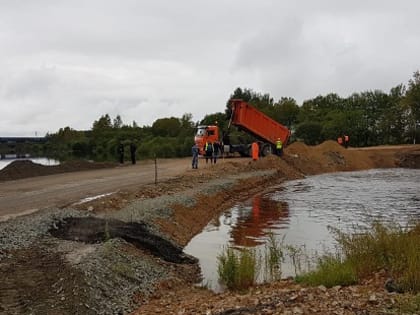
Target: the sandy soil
(128, 183)
(26, 187)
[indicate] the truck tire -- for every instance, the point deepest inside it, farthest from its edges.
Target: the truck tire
(266, 150)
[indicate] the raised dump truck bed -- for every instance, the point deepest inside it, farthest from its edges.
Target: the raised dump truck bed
(257, 123)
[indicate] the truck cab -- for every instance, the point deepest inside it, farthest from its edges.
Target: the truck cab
(206, 134)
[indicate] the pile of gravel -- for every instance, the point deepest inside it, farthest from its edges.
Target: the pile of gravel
(22, 231)
(113, 275)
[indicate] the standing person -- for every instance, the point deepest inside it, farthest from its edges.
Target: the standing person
(340, 140)
(216, 150)
(209, 152)
(121, 152)
(195, 152)
(133, 149)
(346, 141)
(279, 147)
(254, 151)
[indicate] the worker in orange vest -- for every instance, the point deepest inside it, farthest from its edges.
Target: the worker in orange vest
(254, 151)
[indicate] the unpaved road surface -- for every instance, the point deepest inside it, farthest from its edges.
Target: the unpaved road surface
(30, 194)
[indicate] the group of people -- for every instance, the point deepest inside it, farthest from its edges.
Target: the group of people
(133, 150)
(344, 140)
(211, 152)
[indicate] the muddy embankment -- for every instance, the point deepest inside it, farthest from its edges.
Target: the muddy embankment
(114, 254)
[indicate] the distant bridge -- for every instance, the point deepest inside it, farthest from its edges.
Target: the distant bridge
(18, 146)
(23, 139)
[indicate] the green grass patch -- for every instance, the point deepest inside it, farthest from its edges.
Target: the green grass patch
(331, 271)
(382, 247)
(237, 268)
(273, 258)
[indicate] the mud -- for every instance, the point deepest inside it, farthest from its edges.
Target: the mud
(97, 230)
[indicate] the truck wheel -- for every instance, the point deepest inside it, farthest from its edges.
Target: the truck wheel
(266, 150)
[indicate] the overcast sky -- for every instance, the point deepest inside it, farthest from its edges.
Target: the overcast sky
(66, 63)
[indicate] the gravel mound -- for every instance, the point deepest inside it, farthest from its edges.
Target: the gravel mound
(26, 168)
(101, 278)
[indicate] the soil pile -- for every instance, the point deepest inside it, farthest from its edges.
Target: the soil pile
(26, 168)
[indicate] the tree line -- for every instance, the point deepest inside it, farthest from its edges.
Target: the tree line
(369, 118)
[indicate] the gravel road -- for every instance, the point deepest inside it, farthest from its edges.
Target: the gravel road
(28, 195)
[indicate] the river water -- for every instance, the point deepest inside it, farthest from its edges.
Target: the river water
(38, 160)
(301, 212)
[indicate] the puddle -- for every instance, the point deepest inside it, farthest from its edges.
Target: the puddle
(299, 213)
(87, 199)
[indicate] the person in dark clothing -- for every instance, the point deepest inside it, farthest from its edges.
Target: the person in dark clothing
(346, 141)
(133, 149)
(216, 151)
(121, 152)
(195, 152)
(209, 152)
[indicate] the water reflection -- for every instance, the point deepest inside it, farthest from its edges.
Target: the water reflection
(246, 224)
(254, 223)
(300, 212)
(38, 160)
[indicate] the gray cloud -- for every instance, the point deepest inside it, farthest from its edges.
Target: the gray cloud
(67, 63)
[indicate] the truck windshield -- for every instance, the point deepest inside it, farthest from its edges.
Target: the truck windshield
(201, 132)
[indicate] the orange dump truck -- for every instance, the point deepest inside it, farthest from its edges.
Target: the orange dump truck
(264, 129)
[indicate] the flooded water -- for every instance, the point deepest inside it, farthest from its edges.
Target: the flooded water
(300, 212)
(38, 160)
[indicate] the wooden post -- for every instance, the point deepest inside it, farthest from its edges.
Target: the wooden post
(156, 174)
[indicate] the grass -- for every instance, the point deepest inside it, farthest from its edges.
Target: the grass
(382, 247)
(358, 255)
(408, 304)
(331, 271)
(237, 268)
(274, 257)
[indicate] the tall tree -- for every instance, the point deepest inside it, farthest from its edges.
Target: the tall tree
(286, 111)
(412, 105)
(166, 127)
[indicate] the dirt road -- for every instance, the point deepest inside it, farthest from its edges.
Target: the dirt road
(24, 196)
